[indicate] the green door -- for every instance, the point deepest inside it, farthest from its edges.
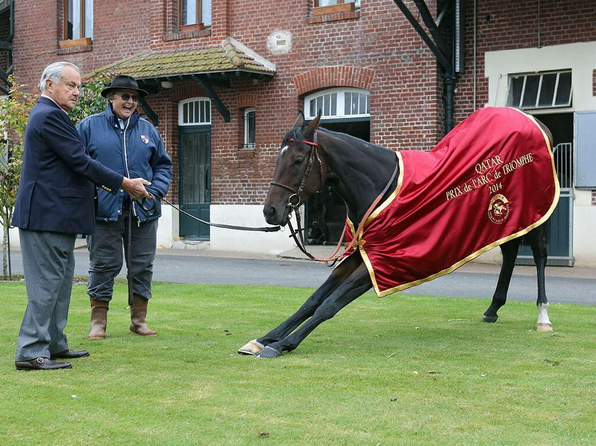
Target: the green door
(195, 180)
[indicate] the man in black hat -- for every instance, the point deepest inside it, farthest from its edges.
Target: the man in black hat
(120, 139)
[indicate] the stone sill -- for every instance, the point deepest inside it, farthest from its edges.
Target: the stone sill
(181, 35)
(333, 17)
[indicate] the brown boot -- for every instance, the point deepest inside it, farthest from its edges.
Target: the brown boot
(99, 319)
(138, 313)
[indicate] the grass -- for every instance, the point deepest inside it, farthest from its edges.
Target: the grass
(403, 370)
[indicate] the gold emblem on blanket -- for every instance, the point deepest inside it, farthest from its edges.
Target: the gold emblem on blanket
(498, 209)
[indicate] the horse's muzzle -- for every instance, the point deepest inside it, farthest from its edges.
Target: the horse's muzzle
(274, 216)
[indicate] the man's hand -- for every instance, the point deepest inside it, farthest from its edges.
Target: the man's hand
(135, 187)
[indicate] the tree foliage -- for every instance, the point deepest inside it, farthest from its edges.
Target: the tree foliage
(90, 99)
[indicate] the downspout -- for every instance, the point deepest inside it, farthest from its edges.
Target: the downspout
(474, 56)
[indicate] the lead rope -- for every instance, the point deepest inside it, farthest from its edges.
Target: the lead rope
(221, 225)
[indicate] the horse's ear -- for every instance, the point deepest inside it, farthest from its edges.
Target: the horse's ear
(299, 120)
(312, 127)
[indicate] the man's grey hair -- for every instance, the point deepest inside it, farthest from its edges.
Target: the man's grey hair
(54, 72)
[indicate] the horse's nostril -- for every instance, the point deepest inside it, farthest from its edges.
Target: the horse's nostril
(269, 212)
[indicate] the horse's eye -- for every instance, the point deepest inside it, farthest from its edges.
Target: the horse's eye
(298, 160)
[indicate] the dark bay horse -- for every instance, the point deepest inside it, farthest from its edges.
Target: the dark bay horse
(358, 172)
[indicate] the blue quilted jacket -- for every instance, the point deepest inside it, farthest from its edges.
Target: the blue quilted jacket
(136, 151)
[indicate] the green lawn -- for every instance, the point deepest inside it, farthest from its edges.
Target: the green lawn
(403, 370)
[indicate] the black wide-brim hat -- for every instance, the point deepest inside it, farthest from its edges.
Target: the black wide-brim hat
(123, 82)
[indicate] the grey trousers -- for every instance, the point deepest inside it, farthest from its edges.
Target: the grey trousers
(106, 249)
(48, 264)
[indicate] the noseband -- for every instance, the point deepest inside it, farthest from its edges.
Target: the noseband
(294, 200)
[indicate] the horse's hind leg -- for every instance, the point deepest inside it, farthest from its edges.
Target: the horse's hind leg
(337, 277)
(538, 243)
(509, 251)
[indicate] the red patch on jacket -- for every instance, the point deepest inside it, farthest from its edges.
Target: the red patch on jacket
(490, 180)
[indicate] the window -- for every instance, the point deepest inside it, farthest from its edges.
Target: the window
(541, 90)
(338, 103)
(323, 7)
(196, 111)
(319, 3)
(249, 128)
(195, 13)
(78, 19)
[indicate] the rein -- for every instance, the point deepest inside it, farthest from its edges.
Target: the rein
(297, 234)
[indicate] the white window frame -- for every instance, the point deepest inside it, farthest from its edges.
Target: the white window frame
(340, 98)
(540, 76)
(190, 107)
(247, 143)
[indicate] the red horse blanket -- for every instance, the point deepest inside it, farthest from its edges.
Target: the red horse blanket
(490, 180)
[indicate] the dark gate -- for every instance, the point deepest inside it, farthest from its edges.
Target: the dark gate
(559, 234)
(195, 180)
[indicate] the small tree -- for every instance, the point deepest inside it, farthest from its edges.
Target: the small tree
(90, 99)
(14, 111)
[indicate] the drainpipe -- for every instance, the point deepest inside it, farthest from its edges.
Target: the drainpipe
(449, 101)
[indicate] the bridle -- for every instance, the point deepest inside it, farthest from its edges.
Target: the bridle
(312, 156)
(298, 234)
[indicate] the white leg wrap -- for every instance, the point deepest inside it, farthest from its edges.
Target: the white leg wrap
(543, 320)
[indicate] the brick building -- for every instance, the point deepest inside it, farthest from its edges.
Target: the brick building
(227, 80)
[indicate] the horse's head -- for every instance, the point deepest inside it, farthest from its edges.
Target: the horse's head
(299, 172)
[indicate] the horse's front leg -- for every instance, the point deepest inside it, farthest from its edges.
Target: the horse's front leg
(539, 251)
(338, 275)
(356, 285)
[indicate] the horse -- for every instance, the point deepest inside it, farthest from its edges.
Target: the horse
(362, 174)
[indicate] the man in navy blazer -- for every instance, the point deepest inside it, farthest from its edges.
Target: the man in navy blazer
(55, 202)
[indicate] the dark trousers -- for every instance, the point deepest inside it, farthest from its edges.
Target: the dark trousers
(48, 264)
(106, 248)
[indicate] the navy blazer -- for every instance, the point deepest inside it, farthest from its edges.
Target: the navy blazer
(56, 190)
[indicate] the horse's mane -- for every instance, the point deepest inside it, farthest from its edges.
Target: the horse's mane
(297, 134)
(351, 140)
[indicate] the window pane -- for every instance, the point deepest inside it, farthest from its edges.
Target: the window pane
(189, 12)
(547, 90)
(347, 103)
(531, 91)
(515, 90)
(334, 104)
(73, 25)
(312, 107)
(564, 90)
(249, 128)
(88, 18)
(362, 105)
(326, 105)
(185, 113)
(206, 12)
(327, 2)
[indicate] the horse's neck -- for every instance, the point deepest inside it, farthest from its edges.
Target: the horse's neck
(361, 172)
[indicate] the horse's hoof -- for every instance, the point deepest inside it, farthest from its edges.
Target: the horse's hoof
(491, 319)
(253, 348)
(544, 327)
(269, 352)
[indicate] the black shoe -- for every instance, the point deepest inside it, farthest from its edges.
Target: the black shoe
(70, 354)
(42, 364)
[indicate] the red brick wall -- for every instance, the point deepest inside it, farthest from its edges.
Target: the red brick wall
(121, 29)
(506, 25)
(401, 73)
